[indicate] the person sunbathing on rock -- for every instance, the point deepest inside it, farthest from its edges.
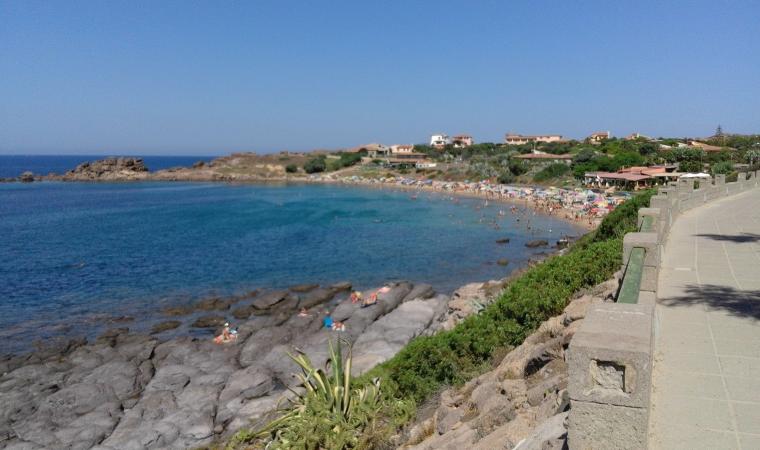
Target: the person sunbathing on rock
(370, 301)
(227, 335)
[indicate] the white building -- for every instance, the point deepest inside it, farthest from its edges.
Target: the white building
(402, 149)
(440, 140)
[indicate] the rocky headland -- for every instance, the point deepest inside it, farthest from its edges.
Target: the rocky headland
(133, 390)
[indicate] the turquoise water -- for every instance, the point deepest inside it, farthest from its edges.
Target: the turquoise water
(74, 255)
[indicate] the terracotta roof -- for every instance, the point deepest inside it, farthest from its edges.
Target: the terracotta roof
(618, 176)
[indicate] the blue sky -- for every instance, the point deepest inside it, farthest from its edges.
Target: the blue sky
(212, 77)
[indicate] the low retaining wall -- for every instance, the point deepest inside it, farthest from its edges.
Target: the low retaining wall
(610, 357)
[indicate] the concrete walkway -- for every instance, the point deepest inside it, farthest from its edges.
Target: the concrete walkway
(706, 374)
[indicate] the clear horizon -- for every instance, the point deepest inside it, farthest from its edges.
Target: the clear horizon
(200, 79)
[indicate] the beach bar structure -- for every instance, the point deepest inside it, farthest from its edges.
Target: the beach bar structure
(632, 178)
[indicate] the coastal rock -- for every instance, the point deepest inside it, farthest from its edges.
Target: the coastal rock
(177, 310)
(537, 243)
(315, 297)
(26, 177)
(209, 321)
(502, 241)
(111, 169)
(502, 261)
(165, 326)
(304, 287)
(269, 299)
(260, 343)
(242, 312)
(389, 334)
(419, 291)
(214, 303)
(342, 286)
(521, 404)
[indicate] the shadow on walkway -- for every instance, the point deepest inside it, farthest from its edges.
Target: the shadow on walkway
(714, 297)
(740, 238)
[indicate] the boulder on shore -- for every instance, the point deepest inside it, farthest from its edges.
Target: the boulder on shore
(537, 243)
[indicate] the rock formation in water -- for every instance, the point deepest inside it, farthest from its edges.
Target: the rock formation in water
(109, 169)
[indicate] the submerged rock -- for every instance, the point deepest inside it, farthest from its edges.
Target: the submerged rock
(537, 243)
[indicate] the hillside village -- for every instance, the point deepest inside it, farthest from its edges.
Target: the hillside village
(601, 160)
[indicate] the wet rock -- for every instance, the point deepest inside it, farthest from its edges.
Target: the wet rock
(502, 261)
(26, 177)
(536, 243)
(342, 286)
(121, 319)
(209, 321)
(212, 304)
(242, 312)
(502, 241)
(316, 297)
(177, 310)
(269, 299)
(165, 326)
(304, 288)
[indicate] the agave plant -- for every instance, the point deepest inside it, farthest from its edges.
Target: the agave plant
(329, 413)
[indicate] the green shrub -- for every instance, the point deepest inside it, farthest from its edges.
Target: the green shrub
(506, 177)
(723, 167)
(315, 165)
(291, 168)
(551, 171)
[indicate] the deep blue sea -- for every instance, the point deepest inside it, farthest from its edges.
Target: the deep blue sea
(12, 166)
(75, 255)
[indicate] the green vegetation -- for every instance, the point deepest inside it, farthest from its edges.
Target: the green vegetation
(551, 171)
(723, 167)
(291, 168)
(332, 412)
(315, 165)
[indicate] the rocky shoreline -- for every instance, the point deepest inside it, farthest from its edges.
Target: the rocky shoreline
(136, 390)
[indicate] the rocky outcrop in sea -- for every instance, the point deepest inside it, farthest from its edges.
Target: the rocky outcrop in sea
(126, 390)
(109, 169)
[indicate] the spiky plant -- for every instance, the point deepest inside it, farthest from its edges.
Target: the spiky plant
(329, 413)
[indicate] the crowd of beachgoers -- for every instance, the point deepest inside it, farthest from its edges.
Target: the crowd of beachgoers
(585, 207)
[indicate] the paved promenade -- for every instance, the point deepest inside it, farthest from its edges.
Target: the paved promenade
(706, 374)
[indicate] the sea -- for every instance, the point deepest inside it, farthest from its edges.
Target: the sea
(78, 258)
(12, 166)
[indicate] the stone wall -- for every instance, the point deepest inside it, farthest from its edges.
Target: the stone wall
(610, 357)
